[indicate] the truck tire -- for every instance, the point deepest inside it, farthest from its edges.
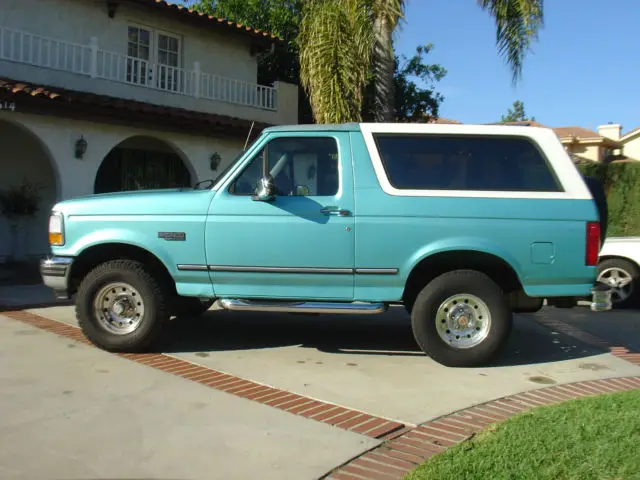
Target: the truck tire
(600, 199)
(121, 307)
(191, 306)
(612, 270)
(462, 319)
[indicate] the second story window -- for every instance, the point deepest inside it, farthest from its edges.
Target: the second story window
(154, 58)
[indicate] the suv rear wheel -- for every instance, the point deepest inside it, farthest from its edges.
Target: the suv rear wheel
(121, 307)
(461, 319)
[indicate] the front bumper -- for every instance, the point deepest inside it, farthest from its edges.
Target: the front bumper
(55, 274)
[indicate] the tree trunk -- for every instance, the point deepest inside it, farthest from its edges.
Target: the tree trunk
(383, 68)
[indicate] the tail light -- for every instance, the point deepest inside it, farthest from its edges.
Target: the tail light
(593, 244)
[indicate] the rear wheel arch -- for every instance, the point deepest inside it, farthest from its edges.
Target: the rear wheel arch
(432, 266)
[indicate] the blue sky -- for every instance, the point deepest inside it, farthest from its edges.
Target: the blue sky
(583, 71)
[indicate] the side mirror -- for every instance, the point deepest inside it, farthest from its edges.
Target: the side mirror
(265, 191)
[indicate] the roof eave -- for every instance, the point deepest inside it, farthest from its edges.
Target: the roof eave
(258, 37)
(630, 135)
(588, 140)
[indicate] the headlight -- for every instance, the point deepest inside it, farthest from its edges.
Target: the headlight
(56, 229)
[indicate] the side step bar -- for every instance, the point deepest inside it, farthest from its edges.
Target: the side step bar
(302, 307)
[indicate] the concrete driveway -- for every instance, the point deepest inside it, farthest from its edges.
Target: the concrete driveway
(370, 364)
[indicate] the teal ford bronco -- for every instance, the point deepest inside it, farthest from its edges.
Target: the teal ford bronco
(462, 224)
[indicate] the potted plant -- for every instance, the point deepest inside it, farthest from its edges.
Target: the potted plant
(16, 205)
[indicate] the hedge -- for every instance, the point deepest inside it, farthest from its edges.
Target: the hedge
(621, 182)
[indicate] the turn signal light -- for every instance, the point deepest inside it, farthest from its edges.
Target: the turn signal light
(55, 239)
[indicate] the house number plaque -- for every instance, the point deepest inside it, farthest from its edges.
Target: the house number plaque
(11, 106)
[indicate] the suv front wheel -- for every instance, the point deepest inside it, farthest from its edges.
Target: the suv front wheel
(121, 307)
(461, 319)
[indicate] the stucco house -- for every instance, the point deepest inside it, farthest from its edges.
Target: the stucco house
(607, 144)
(628, 143)
(110, 95)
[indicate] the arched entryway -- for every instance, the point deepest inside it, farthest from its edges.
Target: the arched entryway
(26, 164)
(142, 163)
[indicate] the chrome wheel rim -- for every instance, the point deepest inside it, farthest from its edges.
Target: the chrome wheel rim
(463, 321)
(619, 280)
(119, 308)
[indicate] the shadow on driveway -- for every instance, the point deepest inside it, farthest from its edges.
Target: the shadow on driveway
(387, 335)
(618, 328)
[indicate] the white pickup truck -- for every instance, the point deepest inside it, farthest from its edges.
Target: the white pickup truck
(619, 268)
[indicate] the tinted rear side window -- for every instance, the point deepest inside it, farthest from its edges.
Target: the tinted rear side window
(454, 162)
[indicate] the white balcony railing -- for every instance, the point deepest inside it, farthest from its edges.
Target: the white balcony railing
(90, 60)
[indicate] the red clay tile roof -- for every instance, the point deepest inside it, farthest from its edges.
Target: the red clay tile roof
(215, 21)
(579, 132)
(90, 103)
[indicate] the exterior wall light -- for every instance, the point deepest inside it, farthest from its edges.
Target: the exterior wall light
(80, 147)
(215, 160)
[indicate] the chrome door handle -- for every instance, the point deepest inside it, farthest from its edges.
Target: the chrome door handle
(335, 211)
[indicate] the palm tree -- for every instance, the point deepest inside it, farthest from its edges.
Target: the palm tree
(343, 42)
(386, 16)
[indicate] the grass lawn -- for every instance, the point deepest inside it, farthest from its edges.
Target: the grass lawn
(588, 438)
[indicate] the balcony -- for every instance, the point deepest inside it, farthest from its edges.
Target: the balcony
(186, 88)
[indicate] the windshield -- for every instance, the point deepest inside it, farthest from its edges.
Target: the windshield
(232, 163)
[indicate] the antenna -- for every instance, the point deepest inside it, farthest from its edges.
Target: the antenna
(248, 136)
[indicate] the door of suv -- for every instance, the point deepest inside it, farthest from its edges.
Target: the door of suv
(301, 244)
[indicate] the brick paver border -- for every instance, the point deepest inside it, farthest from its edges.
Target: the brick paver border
(405, 451)
(321, 411)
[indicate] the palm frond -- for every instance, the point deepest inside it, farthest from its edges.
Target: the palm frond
(517, 23)
(390, 11)
(335, 53)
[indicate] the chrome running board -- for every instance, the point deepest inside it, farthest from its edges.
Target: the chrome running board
(302, 307)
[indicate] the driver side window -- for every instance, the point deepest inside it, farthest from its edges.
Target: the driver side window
(300, 166)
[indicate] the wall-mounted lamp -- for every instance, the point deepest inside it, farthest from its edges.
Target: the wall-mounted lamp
(80, 147)
(215, 160)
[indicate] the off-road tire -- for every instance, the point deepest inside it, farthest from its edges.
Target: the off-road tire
(155, 317)
(428, 301)
(633, 271)
(191, 307)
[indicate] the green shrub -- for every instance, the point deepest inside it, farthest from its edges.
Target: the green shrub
(621, 181)
(593, 169)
